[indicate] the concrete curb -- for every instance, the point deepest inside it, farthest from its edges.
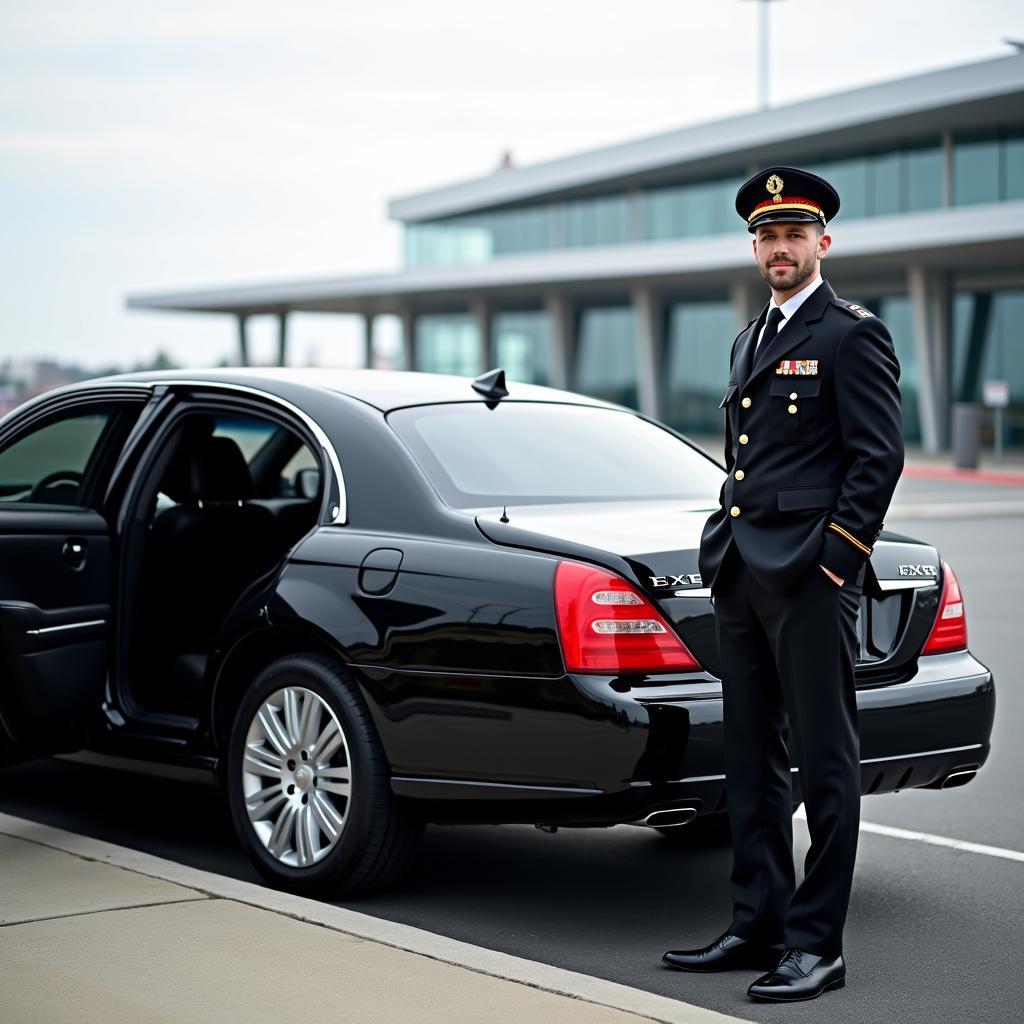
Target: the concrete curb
(405, 937)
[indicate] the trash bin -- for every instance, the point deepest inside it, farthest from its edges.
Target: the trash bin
(966, 434)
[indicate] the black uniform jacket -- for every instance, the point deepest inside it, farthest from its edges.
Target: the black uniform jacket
(813, 452)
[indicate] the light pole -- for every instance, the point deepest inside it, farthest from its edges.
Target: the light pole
(763, 55)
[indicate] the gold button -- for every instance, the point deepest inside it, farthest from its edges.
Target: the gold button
(744, 439)
(739, 474)
(745, 403)
(734, 511)
(792, 408)
(792, 394)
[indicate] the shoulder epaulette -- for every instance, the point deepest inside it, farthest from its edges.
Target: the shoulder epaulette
(852, 308)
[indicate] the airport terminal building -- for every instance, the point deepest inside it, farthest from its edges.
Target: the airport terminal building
(624, 272)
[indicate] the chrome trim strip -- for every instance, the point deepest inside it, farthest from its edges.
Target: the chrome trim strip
(70, 625)
(923, 753)
(900, 584)
(869, 760)
(83, 387)
(906, 584)
(498, 785)
(339, 513)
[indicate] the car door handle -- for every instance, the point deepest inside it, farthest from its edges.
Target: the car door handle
(75, 549)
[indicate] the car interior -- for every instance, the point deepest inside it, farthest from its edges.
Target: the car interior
(228, 497)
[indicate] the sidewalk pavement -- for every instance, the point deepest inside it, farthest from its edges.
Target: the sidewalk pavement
(92, 932)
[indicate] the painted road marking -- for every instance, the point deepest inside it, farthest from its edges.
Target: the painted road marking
(951, 844)
(1007, 478)
(926, 837)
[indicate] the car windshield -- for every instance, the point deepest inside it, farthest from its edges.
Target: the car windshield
(538, 453)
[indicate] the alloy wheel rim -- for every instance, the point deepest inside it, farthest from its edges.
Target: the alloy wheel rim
(296, 777)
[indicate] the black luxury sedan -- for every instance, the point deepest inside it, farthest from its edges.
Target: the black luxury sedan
(365, 600)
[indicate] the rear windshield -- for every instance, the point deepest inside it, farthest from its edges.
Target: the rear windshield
(535, 453)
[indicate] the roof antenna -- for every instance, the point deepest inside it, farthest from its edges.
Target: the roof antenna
(492, 386)
(504, 515)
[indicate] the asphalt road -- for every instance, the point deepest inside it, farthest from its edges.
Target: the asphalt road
(934, 934)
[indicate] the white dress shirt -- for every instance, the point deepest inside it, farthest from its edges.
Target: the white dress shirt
(789, 307)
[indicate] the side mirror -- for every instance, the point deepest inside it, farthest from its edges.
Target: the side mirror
(307, 483)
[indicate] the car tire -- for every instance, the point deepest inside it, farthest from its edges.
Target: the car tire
(305, 828)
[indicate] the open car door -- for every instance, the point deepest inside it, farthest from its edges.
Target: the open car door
(55, 571)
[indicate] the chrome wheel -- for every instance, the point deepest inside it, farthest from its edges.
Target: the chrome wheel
(296, 776)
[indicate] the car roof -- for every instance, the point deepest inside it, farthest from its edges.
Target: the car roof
(383, 389)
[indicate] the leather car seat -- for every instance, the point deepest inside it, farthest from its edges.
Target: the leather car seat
(206, 550)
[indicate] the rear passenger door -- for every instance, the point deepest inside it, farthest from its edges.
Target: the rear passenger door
(56, 569)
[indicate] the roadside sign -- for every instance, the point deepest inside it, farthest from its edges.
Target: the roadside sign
(996, 393)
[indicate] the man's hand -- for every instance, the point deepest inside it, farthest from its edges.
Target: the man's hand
(832, 576)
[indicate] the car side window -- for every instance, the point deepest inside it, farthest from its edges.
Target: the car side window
(248, 433)
(301, 477)
(48, 465)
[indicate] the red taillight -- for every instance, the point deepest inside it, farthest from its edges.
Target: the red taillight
(608, 626)
(949, 632)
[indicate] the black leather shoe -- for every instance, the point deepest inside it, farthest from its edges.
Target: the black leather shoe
(799, 975)
(727, 953)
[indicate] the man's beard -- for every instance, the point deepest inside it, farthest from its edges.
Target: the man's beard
(797, 275)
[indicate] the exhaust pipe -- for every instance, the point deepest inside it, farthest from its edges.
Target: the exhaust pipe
(672, 817)
(959, 777)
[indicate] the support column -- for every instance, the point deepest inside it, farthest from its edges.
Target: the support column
(746, 300)
(480, 309)
(650, 346)
(243, 340)
(408, 318)
(942, 353)
(948, 169)
(282, 339)
(368, 341)
(929, 301)
(562, 319)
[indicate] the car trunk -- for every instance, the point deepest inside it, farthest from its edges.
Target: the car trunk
(658, 541)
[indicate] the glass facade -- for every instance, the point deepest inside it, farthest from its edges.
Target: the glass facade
(476, 238)
(987, 346)
(601, 221)
(522, 345)
(448, 343)
(606, 359)
(707, 208)
(699, 336)
(988, 167)
(900, 179)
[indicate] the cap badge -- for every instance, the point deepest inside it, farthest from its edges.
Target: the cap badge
(774, 185)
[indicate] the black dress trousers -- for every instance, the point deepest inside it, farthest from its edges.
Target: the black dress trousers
(789, 695)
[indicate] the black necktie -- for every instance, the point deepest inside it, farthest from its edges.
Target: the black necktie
(771, 328)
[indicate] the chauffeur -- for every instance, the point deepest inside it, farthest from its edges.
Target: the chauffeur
(813, 450)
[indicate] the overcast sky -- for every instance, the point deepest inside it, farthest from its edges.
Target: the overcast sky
(148, 146)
